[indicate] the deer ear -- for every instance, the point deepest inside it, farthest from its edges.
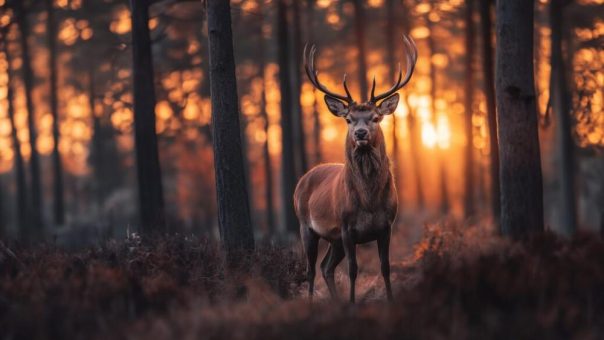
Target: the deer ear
(388, 105)
(337, 107)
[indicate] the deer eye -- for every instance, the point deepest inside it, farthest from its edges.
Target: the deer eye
(348, 120)
(376, 119)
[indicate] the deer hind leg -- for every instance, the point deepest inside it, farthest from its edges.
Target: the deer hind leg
(384, 253)
(335, 255)
(350, 249)
(310, 241)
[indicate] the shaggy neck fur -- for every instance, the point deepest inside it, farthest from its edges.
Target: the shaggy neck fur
(367, 171)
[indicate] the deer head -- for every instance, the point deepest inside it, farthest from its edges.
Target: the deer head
(363, 119)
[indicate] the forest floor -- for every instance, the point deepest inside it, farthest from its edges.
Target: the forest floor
(453, 282)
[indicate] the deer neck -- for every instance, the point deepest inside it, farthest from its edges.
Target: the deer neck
(367, 171)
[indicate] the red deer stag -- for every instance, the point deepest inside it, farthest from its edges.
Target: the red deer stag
(355, 202)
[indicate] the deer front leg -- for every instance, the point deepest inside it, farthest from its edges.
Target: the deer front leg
(351, 255)
(383, 242)
(310, 240)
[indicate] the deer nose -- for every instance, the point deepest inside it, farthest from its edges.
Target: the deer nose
(361, 134)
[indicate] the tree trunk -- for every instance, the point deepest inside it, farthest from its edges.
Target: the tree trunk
(489, 91)
(520, 164)
(3, 219)
(391, 46)
(58, 193)
(561, 107)
(35, 218)
(150, 190)
(288, 175)
(231, 190)
(299, 134)
(310, 22)
(359, 33)
(442, 176)
(415, 142)
(97, 142)
(21, 202)
(469, 100)
(268, 168)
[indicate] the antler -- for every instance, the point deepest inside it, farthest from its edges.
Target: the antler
(411, 50)
(312, 74)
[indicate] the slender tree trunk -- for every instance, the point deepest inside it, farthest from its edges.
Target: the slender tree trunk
(288, 175)
(19, 165)
(561, 107)
(59, 197)
(35, 216)
(310, 22)
(3, 219)
(359, 33)
(391, 45)
(520, 164)
(268, 168)
(97, 146)
(299, 134)
(489, 91)
(150, 190)
(231, 190)
(469, 100)
(442, 176)
(415, 142)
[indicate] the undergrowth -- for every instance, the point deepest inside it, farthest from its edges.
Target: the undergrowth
(462, 282)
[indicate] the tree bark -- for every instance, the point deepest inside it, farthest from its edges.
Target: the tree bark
(520, 164)
(231, 190)
(561, 107)
(310, 22)
(299, 134)
(442, 176)
(469, 100)
(489, 92)
(268, 168)
(391, 45)
(288, 174)
(19, 165)
(359, 33)
(35, 218)
(97, 142)
(58, 192)
(415, 142)
(151, 201)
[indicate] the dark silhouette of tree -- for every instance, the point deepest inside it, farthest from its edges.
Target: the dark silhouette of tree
(151, 201)
(489, 92)
(233, 209)
(560, 99)
(35, 215)
(2, 212)
(444, 192)
(58, 193)
(298, 115)
(391, 46)
(288, 168)
(310, 22)
(520, 164)
(469, 100)
(268, 169)
(19, 166)
(414, 143)
(359, 34)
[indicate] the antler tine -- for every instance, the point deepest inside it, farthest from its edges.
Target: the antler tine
(346, 89)
(373, 87)
(313, 76)
(411, 51)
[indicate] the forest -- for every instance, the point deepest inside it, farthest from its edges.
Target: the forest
(322, 169)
